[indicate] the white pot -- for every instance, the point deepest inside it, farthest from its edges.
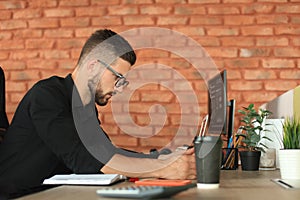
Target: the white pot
(289, 160)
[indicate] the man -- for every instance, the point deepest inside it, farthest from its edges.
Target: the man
(55, 129)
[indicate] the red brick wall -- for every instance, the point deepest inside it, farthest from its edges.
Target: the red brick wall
(257, 41)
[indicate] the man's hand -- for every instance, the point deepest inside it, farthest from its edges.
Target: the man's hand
(177, 165)
(182, 165)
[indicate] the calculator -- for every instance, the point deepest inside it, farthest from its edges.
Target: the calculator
(143, 192)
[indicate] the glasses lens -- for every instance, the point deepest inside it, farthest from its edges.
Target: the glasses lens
(122, 82)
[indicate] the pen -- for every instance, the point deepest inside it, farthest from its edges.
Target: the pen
(203, 126)
(230, 142)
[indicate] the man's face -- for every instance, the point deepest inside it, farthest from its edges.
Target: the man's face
(106, 87)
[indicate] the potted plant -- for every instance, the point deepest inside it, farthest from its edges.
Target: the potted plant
(252, 135)
(289, 156)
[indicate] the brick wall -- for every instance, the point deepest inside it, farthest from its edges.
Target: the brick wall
(257, 41)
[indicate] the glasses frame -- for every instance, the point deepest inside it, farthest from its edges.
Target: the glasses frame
(121, 79)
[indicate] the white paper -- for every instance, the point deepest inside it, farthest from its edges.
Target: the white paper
(288, 183)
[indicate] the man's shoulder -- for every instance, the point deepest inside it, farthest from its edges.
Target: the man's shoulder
(53, 80)
(53, 84)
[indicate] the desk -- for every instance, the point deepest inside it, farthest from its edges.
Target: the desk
(234, 185)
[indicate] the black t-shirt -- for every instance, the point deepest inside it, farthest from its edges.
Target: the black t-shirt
(42, 139)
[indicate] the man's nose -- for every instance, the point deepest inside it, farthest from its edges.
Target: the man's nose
(119, 89)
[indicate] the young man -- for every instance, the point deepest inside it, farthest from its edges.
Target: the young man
(55, 129)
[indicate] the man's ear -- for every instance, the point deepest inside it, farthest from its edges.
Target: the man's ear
(93, 69)
(91, 66)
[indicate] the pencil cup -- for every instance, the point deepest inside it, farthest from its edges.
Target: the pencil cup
(229, 158)
(208, 161)
(268, 160)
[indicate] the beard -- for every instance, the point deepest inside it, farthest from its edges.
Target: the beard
(102, 99)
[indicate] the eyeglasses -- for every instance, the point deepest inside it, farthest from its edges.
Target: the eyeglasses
(121, 82)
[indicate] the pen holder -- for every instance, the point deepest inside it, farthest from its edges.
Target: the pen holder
(229, 158)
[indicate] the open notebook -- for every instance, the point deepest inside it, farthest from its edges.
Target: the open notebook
(84, 179)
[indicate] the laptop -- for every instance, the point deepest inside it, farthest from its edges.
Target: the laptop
(288, 184)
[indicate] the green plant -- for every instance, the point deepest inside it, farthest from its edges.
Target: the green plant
(252, 121)
(291, 136)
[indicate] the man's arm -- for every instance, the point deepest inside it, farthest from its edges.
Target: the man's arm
(52, 117)
(177, 165)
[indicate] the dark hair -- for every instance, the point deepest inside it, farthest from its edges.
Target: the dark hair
(110, 41)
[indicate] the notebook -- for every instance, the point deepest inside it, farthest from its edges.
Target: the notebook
(84, 179)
